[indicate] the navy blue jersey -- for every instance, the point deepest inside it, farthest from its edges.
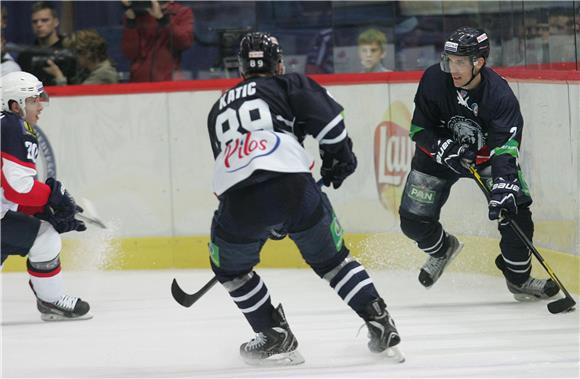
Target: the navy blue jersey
(293, 104)
(19, 154)
(485, 117)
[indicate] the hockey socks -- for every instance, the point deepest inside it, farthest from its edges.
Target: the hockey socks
(251, 295)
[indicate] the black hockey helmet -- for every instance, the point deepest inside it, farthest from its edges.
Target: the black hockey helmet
(259, 53)
(466, 41)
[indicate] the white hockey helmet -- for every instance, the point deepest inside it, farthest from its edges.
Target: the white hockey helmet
(18, 86)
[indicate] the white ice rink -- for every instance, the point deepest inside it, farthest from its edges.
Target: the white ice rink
(466, 326)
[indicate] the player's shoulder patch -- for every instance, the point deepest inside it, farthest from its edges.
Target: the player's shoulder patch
(11, 121)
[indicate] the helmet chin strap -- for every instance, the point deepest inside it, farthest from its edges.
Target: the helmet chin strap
(473, 76)
(470, 80)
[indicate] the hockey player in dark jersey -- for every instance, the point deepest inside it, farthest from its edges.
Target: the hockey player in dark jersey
(264, 183)
(34, 213)
(465, 114)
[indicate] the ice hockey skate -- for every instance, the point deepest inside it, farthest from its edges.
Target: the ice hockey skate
(433, 268)
(273, 347)
(383, 334)
(533, 289)
(67, 308)
(530, 290)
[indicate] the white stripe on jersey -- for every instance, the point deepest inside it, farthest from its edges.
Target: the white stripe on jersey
(19, 177)
(335, 121)
(341, 137)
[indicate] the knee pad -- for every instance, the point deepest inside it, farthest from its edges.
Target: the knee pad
(47, 245)
(424, 195)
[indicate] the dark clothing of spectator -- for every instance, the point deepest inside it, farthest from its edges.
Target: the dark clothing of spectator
(153, 46)
(25, 60)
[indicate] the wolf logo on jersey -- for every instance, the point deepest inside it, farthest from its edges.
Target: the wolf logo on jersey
(466, 131)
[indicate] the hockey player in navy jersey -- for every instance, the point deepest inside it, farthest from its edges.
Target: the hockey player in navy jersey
(465, 113)
(264, 183)
(34, 213)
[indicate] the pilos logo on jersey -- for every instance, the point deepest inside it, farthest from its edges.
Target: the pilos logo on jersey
(240, 152)
(393, 152)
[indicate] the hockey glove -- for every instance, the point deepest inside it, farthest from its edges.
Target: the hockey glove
(337, 166)
(504, 193)
(453, 155)
(63, 223)
(61, 202)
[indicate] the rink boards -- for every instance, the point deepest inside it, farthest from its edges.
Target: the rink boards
(147, 168)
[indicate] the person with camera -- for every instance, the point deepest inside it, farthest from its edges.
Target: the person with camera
(34, 214)
(47, 54)
(93, 61)
(154, 36)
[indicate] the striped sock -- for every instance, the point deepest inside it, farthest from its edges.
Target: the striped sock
(253, 298)
(352, 283)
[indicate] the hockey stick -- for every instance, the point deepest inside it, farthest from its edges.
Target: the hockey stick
(187, 300)
(561, 305)
(90, 214)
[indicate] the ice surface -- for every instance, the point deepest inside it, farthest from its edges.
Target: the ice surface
(465, 326)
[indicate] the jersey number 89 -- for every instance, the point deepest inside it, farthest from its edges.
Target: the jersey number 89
(251, 115)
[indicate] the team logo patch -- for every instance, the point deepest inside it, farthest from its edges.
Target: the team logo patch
(422, 195)
(466, 131)
(214, 253)
(243, 150)
(337, 232)
(482, 38)
(451, 46)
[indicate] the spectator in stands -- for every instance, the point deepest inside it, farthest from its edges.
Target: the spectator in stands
(8, 63)
(371, 50)
(92, 58)
(154, 36)
(47, 46)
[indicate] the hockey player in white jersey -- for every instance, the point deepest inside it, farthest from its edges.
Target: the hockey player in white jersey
(264, 183)
(34, 213)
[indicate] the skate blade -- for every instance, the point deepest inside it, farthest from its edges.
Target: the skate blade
(395, 354)
(54, 317)
(292, 358)
(525, 298)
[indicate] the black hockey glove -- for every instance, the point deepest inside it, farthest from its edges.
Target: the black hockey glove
(504, 193)
(61, 202)
(453, 155)
(337, 166)
(61, 222)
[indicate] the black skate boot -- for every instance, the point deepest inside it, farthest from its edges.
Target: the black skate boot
(383, 334)
(275, 346)
(433, 268)
(67, 308)
(533, 289)
(530, 290)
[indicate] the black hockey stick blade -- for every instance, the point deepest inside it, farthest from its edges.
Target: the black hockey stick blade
(187, 300)
(562, 305)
